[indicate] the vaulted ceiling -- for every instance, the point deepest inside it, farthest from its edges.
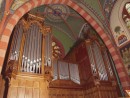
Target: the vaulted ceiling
(66, 23)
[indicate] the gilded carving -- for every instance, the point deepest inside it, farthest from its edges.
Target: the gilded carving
(12, 69)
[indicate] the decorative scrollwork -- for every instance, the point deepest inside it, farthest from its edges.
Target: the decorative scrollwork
(58, 49)
(12, 69)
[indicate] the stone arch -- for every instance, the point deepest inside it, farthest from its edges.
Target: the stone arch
(35, 3)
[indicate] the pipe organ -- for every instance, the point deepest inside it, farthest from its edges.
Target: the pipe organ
(33, 72)
(95, 68)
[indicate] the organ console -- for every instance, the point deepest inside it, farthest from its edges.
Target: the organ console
(33, 72)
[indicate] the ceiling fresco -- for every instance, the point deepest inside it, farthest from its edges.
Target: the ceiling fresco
(101, 7)
(94, 7)
(65, 22)
(107, 6)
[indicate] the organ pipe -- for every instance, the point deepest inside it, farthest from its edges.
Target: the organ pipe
(55, 70)
(74, 73)
(16, 42)
(108, 63)
(31, 45)
(93, 67)
(99, 61)
(48, 49)
(65, 70)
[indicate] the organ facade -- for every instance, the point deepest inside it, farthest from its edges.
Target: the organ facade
(64, 49)
(33, 71)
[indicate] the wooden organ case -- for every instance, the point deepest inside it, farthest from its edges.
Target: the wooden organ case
(32, 71)
(95, 68)
(29, 64)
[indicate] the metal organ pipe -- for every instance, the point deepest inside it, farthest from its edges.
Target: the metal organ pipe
(97, 62)
(31, 61)
(48, 50)
(90, 54)
(19, 38)
(36, 66)
(24, 52)
(39, 53)
(100, 63)
(66, 71)
(108, 63)
(26, 49)
(16, 42)
(31, 49)
(55, 70)
(74, 73)
(63, 70)
(34, 52)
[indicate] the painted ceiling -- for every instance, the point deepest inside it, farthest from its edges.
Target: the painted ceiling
(66, 23)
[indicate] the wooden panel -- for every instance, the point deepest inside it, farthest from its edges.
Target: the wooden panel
(21, 92)
(2, 87)
(22, 83)
(35, 86)
(13, 92)
(28, 93)
(81, 52)
(41, 93)
(36, 93)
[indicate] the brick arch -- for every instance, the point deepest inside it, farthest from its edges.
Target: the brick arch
(35, 3)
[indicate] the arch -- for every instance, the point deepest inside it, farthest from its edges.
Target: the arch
(35, 3)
